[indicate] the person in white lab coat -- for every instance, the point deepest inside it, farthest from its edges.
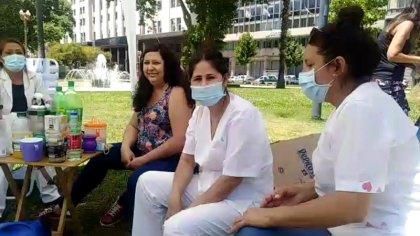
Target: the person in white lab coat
(17, 88)
(226, 137)
(367, 157)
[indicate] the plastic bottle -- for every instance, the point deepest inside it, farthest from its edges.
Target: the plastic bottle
(58, 103)
(74, 110)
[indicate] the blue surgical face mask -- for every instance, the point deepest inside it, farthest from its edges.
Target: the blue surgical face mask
(208, 95)
(15, 62)
(315, 92)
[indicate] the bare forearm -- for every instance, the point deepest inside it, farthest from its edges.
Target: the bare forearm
(183, 175)
(324, 212)
(170, 148)
(130, 137)
(404, 58)
(220, 190)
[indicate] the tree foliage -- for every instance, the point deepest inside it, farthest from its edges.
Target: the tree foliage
(374, 10)
(57, 17)
(246, 49)
(74, 55)
(293, 52)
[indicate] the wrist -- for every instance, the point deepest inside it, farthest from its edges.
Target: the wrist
(274, 216)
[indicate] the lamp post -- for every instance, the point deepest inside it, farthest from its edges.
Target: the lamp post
(25, 17)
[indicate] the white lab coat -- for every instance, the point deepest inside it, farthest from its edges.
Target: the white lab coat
(32, 84)
(369, 146)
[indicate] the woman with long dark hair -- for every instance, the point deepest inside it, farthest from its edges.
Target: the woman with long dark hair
(396, 45)
(154, 136)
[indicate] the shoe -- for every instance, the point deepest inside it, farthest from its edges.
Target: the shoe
(51, 212)
(113, 216)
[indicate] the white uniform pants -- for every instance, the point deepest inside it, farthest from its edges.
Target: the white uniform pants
(49, 192)
(152, 193)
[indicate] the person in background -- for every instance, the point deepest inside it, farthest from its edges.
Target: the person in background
(226, 137)
(367, 156)
(154, 136)
(395, 45)
(17, 88)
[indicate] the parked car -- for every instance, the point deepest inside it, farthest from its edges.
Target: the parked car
(291, 79)
(240, 79)
(265, 79)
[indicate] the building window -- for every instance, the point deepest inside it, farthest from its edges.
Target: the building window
(94, 35)
(93, 20)
(116, 16)
(178, 24)
(173, 25)
(80, 10)
(174, 3)
(101, 19)
(158, 27)
(159, 5)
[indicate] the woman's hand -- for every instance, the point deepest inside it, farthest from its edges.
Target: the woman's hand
(290, 195)
(136, 163)
(255, 217)
(126, 156)
(174, 205)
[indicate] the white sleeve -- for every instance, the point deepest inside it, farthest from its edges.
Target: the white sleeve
(190, 140)
(364, 145)
(248, 149)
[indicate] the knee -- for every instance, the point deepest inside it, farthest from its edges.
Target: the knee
(145, 182)
(176, 226)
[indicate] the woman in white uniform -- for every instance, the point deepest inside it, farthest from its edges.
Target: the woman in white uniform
(226, 137)
(17, 88)
(367, 156)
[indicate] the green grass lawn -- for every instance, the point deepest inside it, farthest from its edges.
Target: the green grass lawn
(287, 113)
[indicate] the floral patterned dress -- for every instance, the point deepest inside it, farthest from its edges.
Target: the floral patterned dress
(154, 124)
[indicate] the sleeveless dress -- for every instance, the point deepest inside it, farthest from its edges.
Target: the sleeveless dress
(390, 75)
(154, 124)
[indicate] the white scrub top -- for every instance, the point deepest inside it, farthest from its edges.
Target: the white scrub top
(240, 148)
(369, 146)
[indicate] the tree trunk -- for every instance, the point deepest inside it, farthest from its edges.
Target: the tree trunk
(40, 25)
(187, 14)
(283, 35)
(248, 67)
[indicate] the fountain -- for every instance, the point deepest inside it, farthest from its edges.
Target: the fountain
(100, 77)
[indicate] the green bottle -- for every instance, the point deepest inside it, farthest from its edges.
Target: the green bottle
(73, 104)
(58, 102)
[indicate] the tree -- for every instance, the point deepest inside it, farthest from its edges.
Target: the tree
(57, 17)
(375, 10)
(283, 42)
(246, 50)
(293, 52)
(74, 55)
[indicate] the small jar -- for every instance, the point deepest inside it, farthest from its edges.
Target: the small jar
(89, 143)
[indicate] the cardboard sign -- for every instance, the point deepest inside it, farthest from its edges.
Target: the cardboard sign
(292, 160)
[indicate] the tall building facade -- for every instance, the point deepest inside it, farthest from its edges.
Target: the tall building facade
(263, 22)
(101, 24)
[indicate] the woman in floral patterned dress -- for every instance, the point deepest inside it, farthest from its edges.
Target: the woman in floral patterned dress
(154, 137)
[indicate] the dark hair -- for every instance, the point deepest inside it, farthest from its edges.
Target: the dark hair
(211, 54)
(346, 37)
(10, 40)
(411, 13)
(173, 77)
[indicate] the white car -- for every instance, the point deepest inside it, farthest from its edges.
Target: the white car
(291, 79)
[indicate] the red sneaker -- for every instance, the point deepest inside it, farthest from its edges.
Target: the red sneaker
(114, 215)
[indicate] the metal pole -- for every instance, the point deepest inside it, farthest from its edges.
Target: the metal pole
(40, 26)
(25, 25)
(322, 21)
